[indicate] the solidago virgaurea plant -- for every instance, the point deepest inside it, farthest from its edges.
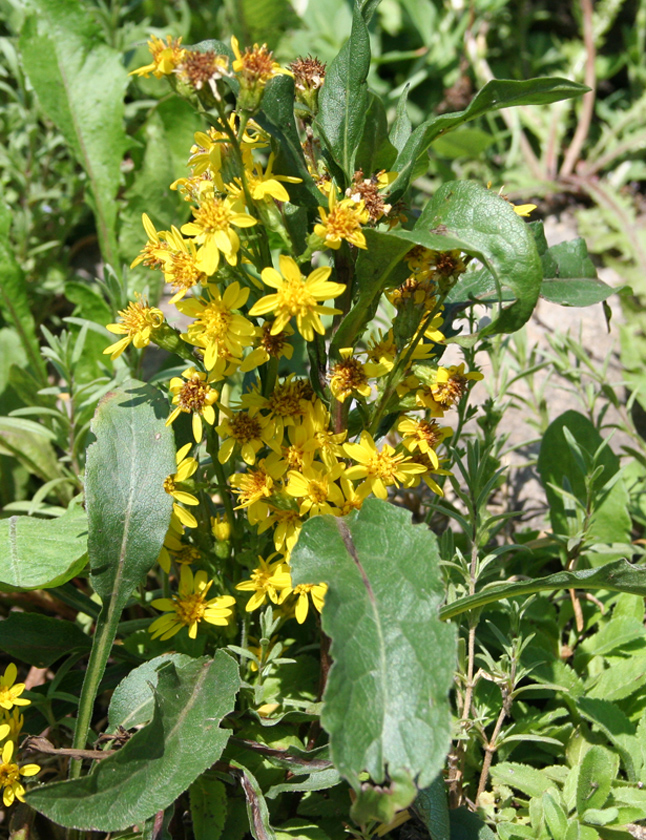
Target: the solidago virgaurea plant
(282, 656)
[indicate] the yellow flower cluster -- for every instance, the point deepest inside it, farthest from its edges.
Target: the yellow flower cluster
(11, 722)
(277, 451)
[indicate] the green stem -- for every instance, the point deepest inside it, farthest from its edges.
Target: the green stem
(106, 631)
(213, 447)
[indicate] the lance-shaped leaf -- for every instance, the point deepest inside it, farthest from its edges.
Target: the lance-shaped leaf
(128, 513)
(80, 82)
(128, 508)
(160, 761)
(618, 576)
(464, 215)
(343, 99)
(42, 553)
(385, 704)
(497, 94)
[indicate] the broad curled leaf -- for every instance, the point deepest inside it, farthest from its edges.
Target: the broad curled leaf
(41, 553)
(464, 215)
(385, 703)
(161, 760)
(40, 640)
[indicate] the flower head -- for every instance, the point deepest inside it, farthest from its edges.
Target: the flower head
(316, 592)
(166, 55)
(138, 320)
(186, 466)
(256, 65)
(297, 296)
(350, 375)
(379, 469)
(10, 690)
(190, 606)
(10, 774)
(267, 581)
(212, 229)
(342, 220)
(192, 394)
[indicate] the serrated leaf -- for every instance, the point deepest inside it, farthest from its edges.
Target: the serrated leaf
(619, 730)
(40, 640)
(343, 99)
(80, 82)
(385, 703)
(59, 544)
(160, 761)
(499, 93)
(133, 700)
(465, 215)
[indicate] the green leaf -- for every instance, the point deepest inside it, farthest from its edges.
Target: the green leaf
(257, 810)
(499, 93)
(160, 761)
(570, 276)
(60, 546)
(610, 521)
(467, 142)
(133, 700)
(402, 126)
(385, 703)
(465, 215)
(617, 728)
(208, 807)
(380, 265)
(80, 83)
(14, 303)
(432, 806)
(375, 151)
(465, 825)
(555, 816)
(263, 21)
(623, 678)
(618, 576)
(600, 816)
(343, 99)
(128, 513)
(522, 777)
(128, 508)
(277, 117)
(40, 640)
(598, 769)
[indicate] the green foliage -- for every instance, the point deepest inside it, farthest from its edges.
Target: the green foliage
(373, 583)
(181, 741)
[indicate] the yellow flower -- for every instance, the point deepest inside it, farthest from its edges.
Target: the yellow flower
(263, 186)
(152, 252)
(220, 527)
(342, 221)
(211, 150)
(256, 65)
(379, 469)
(287, 403)
(451, 384)
(251, 434)
(316, 490)
(138, 322)
(10, 774)
(180, 265)
(523, 209)
(217, 327)
(10, 690)
(423, 435)
(266, 582)
(212, 229)
(270, 347)
(190, 606)
(255, 486)
(316, 591)
(186, 466)
(297, 296)
(12, 723)
(351, 375)
(172, 542)
(166, 57)
(287, 524)
(193, 395)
